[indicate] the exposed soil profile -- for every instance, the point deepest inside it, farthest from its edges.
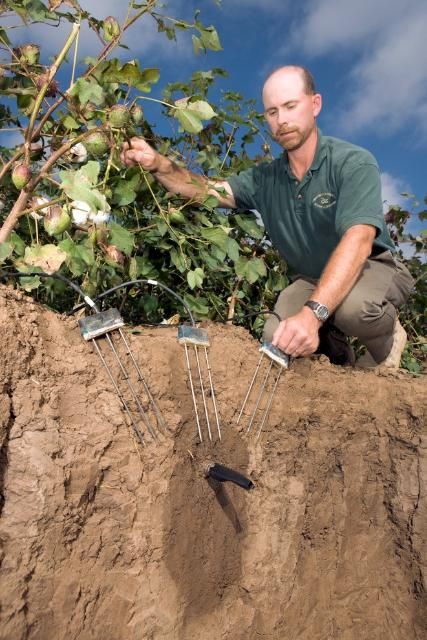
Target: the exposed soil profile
(102, 538)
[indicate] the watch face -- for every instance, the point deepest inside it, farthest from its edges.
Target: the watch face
(322, 312)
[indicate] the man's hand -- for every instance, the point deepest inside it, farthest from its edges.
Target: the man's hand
(140, 152)
(299, 334)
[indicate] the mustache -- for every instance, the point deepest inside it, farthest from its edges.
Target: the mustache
(283, 130)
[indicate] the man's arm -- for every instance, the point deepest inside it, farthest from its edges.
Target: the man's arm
(174, 178)
(299, 334)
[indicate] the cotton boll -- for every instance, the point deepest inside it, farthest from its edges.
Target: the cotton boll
(78, 153)
(80, 211)
(99, 217)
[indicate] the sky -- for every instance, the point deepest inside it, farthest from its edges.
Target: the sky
(368, 57)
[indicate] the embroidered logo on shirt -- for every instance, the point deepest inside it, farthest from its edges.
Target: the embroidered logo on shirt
(324, 200)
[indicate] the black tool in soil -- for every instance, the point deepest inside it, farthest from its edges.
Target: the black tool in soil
(224, 474)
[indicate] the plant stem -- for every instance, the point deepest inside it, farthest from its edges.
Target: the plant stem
(76, 48)
(52, 72)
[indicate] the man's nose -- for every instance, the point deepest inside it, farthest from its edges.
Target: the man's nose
(282, 117)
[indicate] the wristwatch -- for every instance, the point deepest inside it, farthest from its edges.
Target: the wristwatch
(320, 310)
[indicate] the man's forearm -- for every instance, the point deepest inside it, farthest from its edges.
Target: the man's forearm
(191, 185)
(174, 178)
(344, 266)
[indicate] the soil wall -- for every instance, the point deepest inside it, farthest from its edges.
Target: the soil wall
(103, 538)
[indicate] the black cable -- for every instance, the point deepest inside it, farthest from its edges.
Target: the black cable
(133, 282)
(92, 302)
(55, 276)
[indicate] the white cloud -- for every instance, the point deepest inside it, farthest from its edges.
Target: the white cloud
(386, 89)
(331, 24)
(391, 82)
(392, 188)
(142, 37)
(262, 5)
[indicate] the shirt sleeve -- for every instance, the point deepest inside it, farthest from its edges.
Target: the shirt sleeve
(359, 199)
(244, 187)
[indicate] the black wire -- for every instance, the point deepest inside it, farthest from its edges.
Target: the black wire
(133, 282)
(69, 283)
(54, 276)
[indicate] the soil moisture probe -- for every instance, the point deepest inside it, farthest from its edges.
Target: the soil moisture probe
(106, 327)
(270, 366)
(195, 342)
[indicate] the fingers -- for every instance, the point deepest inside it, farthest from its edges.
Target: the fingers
(294, 339)
(128, 157)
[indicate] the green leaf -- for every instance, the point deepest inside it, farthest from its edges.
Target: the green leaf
(78, 185)
(197, 305)
(18, 244)
(48, 257)
(201, 109)
(36, 9)
(210, 202)
(124, 192)
(210, 39)
(131, 74)
(88, 91)
(189, 121)
(70, 123)
(190, 114)
(178, 259)
(251, 269)
(144, 268)
(79, 256)
(3, 36)
(90, 171)
(195, 278)
(121, 238)
(217, 236)
(250, 225)
(6, 250)
(197, 44)
(233, 249)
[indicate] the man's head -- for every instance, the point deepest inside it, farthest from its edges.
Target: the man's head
(291, 105)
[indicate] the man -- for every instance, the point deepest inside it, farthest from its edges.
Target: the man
(322, 208)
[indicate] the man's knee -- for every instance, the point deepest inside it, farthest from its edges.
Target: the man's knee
(362, 319)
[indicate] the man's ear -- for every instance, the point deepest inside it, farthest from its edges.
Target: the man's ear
(317, 104)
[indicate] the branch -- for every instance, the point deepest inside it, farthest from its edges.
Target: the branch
(18, 208)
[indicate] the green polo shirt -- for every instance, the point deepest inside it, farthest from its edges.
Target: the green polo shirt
(306, 220)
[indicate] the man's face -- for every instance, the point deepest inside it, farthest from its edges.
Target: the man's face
(289, 111)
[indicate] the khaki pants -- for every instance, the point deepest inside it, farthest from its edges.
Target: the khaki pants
(369, 310)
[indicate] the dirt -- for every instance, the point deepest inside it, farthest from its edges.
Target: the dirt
(104, 538)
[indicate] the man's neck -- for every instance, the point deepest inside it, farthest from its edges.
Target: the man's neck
(301, 159)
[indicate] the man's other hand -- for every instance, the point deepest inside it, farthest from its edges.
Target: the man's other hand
(299, 334)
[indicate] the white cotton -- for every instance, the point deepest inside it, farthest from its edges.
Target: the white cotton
(78, 153)
(80, 211)
(99, 217)
(37, 202)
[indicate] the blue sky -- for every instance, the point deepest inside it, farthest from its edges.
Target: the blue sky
(368, 58)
